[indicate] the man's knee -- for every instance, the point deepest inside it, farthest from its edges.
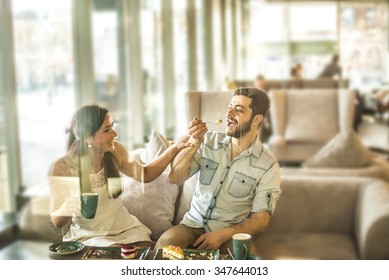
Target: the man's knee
(167, 238)
(178, 235)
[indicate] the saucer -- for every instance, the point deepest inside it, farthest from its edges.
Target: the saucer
(66, 248)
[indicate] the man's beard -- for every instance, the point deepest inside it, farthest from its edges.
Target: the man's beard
(241, 130)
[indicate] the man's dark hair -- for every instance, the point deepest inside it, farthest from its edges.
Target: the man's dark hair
(260, 101)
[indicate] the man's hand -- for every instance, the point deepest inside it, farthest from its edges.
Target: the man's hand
(210, 240)
(196, 129)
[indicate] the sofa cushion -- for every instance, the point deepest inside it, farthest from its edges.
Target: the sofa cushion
(152, 203)
(345, 150)
(185, 198)
(156, 146)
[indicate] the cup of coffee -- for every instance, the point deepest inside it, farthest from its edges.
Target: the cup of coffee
(89, 205)
(241, 245)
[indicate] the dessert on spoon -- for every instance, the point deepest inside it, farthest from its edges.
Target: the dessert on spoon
(219, 121)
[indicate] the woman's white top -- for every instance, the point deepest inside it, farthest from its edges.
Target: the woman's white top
(111, 224)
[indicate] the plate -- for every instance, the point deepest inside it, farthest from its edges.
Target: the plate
(112, 253)
(251, 257)
(66, 248)
(193, 254)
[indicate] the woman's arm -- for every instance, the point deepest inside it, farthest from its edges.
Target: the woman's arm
(151, 171)
(58, 216)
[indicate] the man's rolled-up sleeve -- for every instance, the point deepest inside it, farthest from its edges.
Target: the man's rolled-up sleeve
(268, 190)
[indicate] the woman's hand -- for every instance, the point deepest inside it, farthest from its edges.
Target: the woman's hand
(182, 144)
(197, 129)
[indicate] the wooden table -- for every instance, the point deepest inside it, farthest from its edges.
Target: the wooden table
(33, 250)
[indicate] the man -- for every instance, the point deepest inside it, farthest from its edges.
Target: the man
(260, 82)
(239, 180)
(332, 69)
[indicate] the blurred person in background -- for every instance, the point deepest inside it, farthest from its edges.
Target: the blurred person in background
(332, 69)
(260, 82)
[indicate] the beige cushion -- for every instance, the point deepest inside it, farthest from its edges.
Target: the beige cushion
(345, 150)
(156, 146)
(152, 203)
(185, 198)
(305, 124)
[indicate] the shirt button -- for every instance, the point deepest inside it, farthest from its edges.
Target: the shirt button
(221, 182)
(228, 167)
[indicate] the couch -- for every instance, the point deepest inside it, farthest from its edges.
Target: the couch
(316, 217)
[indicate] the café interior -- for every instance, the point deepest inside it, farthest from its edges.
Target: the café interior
(140, 58)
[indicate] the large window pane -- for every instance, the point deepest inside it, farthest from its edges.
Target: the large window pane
(268, 47)
(106, 56)
(364, 43)
(151, 26)
(312, 41)
(105, 43)
(200, 45)
(45, 84)
(180, 63)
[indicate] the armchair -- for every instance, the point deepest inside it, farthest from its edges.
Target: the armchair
(304, 120)
(329, 218)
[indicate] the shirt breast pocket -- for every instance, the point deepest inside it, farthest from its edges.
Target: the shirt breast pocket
(208, 169)
(241, 185)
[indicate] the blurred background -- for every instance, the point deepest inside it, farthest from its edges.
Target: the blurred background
(139, 57)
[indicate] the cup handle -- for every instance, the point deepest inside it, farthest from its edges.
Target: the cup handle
(246, 252)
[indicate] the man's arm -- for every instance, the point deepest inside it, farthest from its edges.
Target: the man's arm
(257, 223)
(181, 164)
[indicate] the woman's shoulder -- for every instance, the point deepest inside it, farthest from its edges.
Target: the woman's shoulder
(61, 168)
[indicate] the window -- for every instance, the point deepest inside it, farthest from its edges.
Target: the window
(364, 44)
(268, 48)
(152, 65)
(45, 84)
(180, 63)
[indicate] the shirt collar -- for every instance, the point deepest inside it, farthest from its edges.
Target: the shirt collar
(255, 149)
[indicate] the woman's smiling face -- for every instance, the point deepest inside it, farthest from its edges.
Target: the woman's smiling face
(103, 139)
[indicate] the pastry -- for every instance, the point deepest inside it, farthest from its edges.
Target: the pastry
(129, 251)
(171, 252)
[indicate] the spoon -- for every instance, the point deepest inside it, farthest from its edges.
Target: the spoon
(217, 122)
(230, 253)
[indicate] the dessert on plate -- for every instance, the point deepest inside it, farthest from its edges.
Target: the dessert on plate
(129, 251)
(171, 252)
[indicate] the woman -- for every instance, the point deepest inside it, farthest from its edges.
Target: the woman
(93, 163)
